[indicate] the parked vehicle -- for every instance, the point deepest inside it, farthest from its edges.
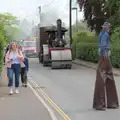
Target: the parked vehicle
(29, 47)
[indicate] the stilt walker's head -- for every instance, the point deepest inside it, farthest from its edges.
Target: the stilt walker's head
(106, 26)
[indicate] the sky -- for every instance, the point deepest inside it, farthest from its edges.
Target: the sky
(29, 9)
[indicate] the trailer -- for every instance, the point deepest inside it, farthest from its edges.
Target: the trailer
(51, 47)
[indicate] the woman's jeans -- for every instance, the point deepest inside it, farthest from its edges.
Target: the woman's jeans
(14, 70)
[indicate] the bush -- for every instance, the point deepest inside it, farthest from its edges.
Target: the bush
(87, 51)
(86, 48)
(116, 35)
(1, 50)
(115, 56)
(82, 38)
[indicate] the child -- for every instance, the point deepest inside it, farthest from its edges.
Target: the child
(24, 70)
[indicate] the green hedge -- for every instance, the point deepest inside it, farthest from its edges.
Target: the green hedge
(86, 48)
(1, 60)
(82, 41)
(1, 50)
(115, 56)
(87, 51)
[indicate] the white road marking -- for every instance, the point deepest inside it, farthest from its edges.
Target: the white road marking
(58, 109)
(45, 105)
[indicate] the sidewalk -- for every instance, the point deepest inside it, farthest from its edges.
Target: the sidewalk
(116, 72)
(24, 106)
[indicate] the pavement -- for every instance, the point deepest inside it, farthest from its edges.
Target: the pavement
(88, 64)
(24, 106)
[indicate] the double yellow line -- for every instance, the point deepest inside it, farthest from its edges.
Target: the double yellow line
(50, 101)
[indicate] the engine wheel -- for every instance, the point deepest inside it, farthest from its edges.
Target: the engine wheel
(69, 66)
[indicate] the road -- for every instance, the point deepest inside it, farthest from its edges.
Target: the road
(72, 91)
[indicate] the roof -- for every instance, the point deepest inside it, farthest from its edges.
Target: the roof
(53, 29)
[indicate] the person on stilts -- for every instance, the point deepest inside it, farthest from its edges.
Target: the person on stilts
(105, 93)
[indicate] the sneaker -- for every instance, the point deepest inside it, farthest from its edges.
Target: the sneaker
(25, 85)
(11, 92)
(16, 91)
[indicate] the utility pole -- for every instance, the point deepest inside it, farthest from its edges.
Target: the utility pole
(70, 21)
(75, 8)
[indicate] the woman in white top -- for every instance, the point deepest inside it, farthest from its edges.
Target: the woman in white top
(14, 58)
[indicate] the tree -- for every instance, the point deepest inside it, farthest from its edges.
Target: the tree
(12, 32)
(95, 13)
(25, 26)
(7, 19)
(9, 26)
(81, 26)
(114, 9)
(7, 23)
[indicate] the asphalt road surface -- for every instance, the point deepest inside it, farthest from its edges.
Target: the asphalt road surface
(72, 90)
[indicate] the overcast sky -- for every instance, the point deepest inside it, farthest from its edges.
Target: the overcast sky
(29, 8)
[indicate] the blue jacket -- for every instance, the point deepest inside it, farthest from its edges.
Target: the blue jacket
(104, 39)
(26, 62)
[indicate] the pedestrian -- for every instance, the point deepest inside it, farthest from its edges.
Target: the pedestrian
(13, 61)
(24, 71)
(5, 52)
(105, 94)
